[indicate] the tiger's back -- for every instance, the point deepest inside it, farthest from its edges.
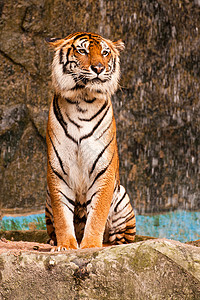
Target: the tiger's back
(85, 202)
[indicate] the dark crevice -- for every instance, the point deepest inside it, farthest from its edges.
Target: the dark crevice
(23, 19)
(35, 77)
(42, 139)
(12, 61)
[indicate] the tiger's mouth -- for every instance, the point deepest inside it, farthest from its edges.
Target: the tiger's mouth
(84, 81)
(97, 80)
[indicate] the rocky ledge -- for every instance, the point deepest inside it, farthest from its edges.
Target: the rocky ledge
(152, 269)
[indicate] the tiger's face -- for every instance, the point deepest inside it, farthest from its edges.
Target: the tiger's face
(85, 61)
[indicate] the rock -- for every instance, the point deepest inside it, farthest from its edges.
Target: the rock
(41, 236)
(155, 269)
(12, 117)
(156, 108)
(25, 173)
(39, 117)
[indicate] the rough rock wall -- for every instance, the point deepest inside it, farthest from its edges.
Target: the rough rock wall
(156, 109)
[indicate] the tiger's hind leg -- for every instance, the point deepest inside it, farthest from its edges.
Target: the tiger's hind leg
(121, 224)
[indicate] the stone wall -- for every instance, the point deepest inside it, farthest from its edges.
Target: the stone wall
(156, 108)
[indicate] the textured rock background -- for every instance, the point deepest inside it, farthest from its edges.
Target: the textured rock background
(158, 269)
(156, 109)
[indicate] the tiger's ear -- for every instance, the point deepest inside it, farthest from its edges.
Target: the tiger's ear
(54, 42)
(119, 45)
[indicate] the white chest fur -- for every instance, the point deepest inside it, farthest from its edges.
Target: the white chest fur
(79, 133)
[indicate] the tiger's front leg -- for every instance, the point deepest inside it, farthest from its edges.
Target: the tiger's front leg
(63, 213)
(99, 209)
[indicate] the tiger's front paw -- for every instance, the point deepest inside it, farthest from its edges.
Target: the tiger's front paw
(91, 242)
(69, 243)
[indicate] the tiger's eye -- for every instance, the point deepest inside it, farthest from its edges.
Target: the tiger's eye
(82, 51)
(105, 52)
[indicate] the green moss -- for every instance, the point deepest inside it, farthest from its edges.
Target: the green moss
(144, 258)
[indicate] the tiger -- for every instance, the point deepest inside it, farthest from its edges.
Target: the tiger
(86, 206)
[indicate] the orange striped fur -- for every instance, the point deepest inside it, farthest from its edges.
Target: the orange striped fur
(86, 205)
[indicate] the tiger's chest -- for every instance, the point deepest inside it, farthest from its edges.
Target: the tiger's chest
(81, 133)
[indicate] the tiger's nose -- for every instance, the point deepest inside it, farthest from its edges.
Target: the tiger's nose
(98, 68)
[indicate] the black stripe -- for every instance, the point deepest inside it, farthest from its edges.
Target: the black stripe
(97, 113)
(60, 119)
(75, 76)
(47, 210)
(72, 102)
(57, 174)
(99, 156)
(89, 201)
(48, 222)
(56, 152)
(115, 209)
(116, 186)
(99, 91)
(95, 36)
(77, 87)
(55, 135)
(67, 206)
(114, 66)
(74, 48)
(53, 237)
(80, 109)
(128, 241)
(83, 79)
(102, 171)
(124, 217)
(67, 60)
(118, 232)
(73, 122)
(123, 231)
(68, 199)
(80, 35)
(90, 101)
(119, 239)
(105, 129)
(123, 208)
(61, 56)
(130, 227)
(77, 105)
(95, 127)
(133, 217)
(82, 39)
(67, 55)
(125, 221)
(130, 233)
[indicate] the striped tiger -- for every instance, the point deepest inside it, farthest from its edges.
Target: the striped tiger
(86, 205)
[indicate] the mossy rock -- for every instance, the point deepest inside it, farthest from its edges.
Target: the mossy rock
(154, 269)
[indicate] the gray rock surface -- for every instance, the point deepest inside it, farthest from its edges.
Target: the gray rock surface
(156, 269)
(156, 109)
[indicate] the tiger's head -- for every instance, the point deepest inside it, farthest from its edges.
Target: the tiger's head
(85, 61)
